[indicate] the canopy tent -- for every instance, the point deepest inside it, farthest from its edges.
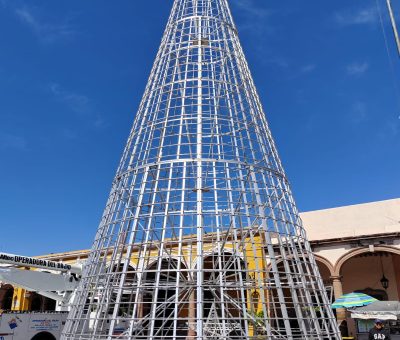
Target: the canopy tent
(385, 310)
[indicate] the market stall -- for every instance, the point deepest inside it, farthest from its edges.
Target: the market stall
(388, 311)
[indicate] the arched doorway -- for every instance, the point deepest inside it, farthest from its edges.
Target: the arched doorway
(326, 270)
(44, 336)
(40, 303)
(118, 298)
(36, 301)
(6, 297)
(224, 295)
(282, 313)
(127, 299)
(364, 272)
(291, 304)
(165, 300)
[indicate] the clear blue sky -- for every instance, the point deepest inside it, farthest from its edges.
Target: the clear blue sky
(72, 74)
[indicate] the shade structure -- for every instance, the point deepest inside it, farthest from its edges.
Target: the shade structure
(383, 310)
(200, 237)
(353, 300)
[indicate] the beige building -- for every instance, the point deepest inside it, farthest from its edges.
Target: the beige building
(357, 249)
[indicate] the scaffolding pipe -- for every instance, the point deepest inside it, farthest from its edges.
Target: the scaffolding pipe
(200, 238)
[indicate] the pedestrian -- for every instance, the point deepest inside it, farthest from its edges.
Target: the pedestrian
(344, 332)
(379, 331)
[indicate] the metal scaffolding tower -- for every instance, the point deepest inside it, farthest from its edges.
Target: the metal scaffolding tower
(200, 237)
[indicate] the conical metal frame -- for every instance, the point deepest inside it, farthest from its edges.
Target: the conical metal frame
(200, 238)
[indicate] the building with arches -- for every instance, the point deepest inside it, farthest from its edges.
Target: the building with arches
(357, 248)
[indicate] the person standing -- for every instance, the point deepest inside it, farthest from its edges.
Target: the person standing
(379, 332)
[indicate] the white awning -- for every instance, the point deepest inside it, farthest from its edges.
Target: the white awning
(366, 316)
(385, 310)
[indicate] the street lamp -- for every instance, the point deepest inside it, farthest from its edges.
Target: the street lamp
(384, 280)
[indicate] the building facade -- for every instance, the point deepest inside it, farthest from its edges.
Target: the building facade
(357, 248)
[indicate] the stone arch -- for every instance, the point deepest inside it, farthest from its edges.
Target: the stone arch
(290, 293)
(231, 269)
(352, 253)
(127, 298)
(154, 260)
(325, 268)
(214, 251)
(326, 262)
(163, 297)
(360, 270)
(120, 265)
(318, 258)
